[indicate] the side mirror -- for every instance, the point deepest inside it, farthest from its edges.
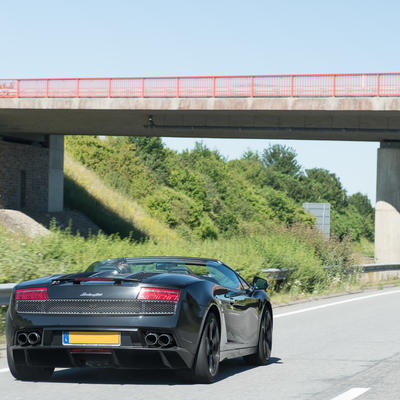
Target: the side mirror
(260, 283)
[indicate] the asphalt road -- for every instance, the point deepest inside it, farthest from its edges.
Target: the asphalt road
(334, 349)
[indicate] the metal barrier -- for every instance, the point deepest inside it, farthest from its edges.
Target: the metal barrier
(379, 272)
(368, 272)
(5, 293)
(309, 85)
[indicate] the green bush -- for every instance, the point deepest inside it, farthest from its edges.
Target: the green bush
(351, 223)
(176, 210)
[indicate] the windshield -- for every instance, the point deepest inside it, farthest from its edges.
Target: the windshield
(140, 268)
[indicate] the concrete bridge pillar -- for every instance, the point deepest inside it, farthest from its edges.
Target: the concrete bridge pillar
(387, 211)
(56, 173)
(32, 173)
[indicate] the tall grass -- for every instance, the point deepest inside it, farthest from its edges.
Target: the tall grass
(23, 259)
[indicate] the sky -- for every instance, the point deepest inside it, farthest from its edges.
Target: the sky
(85, 38)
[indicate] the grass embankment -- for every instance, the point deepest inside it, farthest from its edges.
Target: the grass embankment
(85, 191)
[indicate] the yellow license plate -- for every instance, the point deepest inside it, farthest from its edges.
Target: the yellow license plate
(91, 338)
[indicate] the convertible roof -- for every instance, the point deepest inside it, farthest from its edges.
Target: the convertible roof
(193, 260)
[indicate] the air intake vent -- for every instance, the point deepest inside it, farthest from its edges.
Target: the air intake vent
(95, 307)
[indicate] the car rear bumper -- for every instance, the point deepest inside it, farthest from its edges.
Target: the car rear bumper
(121, 357)
(132, 351)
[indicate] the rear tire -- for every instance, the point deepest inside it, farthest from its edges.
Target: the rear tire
(206, 364)
(24, 372)
(264, 345)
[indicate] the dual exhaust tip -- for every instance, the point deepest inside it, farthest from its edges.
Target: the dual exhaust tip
(31, 338)
(154, 339)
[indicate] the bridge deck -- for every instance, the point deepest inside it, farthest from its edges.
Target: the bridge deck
(320, 107)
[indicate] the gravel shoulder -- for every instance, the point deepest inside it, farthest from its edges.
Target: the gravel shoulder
(21, 223)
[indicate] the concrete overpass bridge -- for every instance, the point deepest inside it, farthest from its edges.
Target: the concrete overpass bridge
(35, 114)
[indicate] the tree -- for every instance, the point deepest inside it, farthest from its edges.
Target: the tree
(149, 147)
(250, 155)
(153, 153)
(282, 159)
(323, 185)
(361, 203)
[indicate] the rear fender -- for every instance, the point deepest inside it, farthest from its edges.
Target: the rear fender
(216, 309)
(267, 307)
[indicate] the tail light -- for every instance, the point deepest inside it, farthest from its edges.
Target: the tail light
(158, 294)
(31, 294)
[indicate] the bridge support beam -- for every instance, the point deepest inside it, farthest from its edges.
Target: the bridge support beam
(387, 211)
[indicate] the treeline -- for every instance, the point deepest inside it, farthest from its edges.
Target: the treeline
(201, 195)
(278, 168)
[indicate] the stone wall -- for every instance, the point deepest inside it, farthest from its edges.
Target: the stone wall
(24, 176)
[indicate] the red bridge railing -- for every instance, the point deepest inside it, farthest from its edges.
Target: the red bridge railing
(329, 85)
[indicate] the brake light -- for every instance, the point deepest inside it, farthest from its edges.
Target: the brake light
(158, 294)
(31, 294)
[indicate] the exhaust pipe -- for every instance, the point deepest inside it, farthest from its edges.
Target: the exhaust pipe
(33, 338)
(22, 339)
(151, 339)
(164, 340)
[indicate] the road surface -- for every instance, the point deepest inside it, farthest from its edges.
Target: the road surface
(341, 348)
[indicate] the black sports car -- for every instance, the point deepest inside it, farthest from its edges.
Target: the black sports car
(151, 312)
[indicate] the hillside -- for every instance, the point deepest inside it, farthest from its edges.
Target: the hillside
(198, 194)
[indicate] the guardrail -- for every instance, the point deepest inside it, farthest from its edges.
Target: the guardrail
(379, 272)
(5, 293)
(307, 85)
(369, 273)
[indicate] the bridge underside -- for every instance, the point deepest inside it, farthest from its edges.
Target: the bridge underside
(351, 119)
(317, 125)
(39, 122)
